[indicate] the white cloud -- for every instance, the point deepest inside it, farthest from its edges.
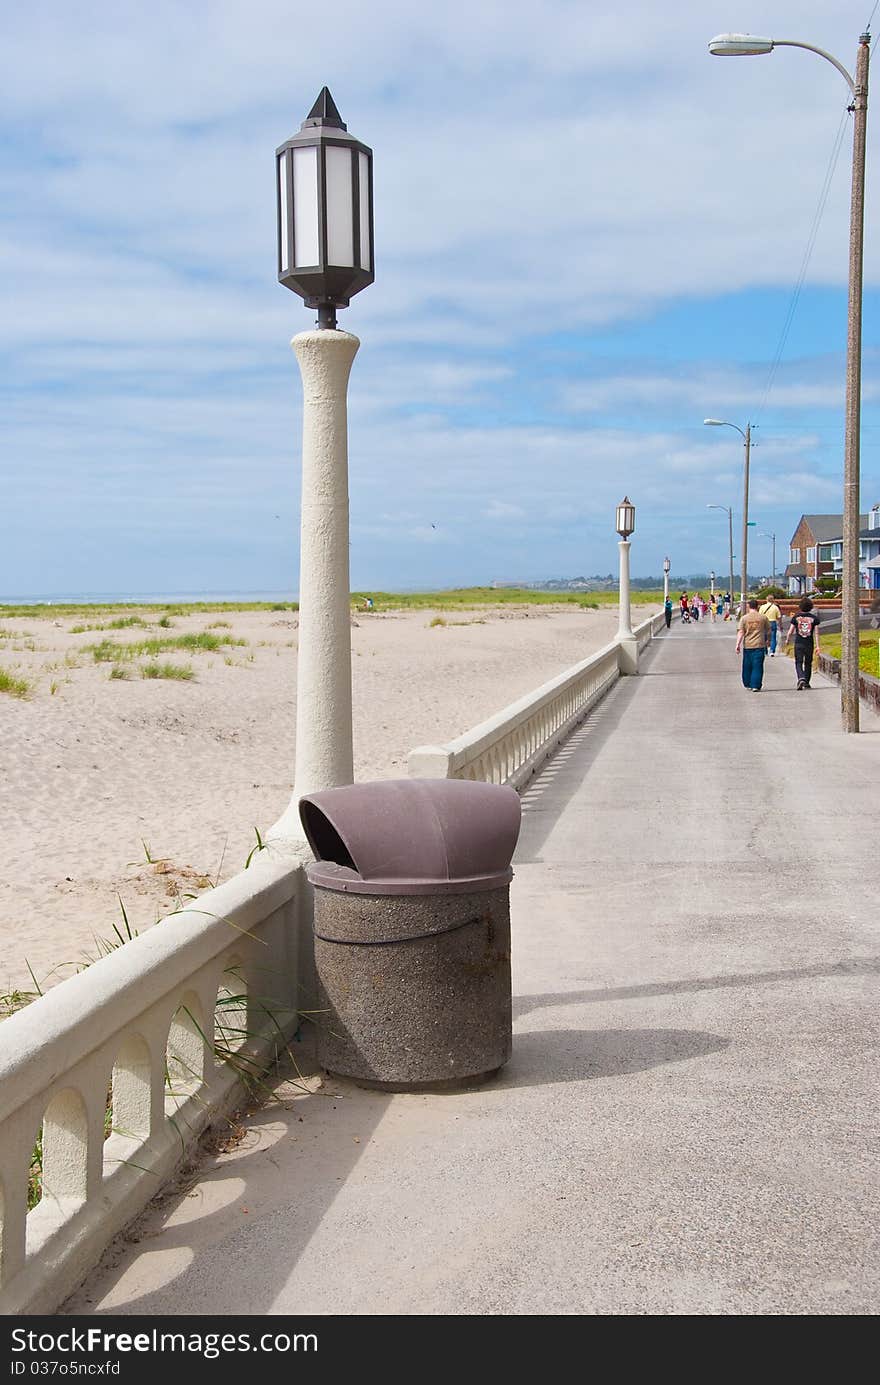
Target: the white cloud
(801, 385)
(502, 509)
(541, 171)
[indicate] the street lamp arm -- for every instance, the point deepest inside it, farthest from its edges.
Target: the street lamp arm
(723, 423)
(793, 43)
(749, 46)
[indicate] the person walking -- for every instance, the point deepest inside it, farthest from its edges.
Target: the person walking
(752, 638)
(804, 630)
(667, 611)
(774, 615)
(727, 604)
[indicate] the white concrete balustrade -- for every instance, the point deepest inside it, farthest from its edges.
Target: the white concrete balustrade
(511, 746)
(151, 1043)
(111, 1077)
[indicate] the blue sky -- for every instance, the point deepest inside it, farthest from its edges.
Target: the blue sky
(587, 234)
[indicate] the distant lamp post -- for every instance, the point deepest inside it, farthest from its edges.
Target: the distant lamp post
(324, 191)
(666, 567)
(627, 648)
(746, 45)
(728, 510)
(712, 581)
(325, 212)
(747, 440)
(772, 538)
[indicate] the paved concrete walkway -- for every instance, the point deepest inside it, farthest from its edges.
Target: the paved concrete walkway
(689, 1121)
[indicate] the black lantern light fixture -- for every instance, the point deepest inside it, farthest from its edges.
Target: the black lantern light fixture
(325, 212)
(626, 517)
(666, 563)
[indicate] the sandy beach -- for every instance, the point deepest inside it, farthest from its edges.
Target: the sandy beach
(132, 793)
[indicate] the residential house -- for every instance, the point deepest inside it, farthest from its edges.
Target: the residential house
(816, 551)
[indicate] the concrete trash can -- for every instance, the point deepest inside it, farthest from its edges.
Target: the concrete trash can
(412, 929)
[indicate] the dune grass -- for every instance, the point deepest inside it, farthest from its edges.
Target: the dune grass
(133, 613)
(167, 670)
(465, 598)
(16, 687)
(110, 652)
(121, 623)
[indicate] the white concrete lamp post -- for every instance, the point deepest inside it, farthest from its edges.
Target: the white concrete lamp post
(748, 46)
(712, 582)
(666, 569)
(325, 254)
(628, 650)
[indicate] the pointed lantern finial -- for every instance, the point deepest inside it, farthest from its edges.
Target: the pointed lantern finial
(324, 113)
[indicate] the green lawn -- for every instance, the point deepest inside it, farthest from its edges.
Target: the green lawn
(868, 651)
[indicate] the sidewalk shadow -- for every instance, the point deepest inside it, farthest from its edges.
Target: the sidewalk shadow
(547, 1056)
(857, 966)
(570, 765)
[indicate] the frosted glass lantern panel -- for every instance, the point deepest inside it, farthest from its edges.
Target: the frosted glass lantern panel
(305, 207)
(340, 210)
(285, 212)
(364, 198)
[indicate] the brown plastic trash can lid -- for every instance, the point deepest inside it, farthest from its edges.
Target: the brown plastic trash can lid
(407, 836)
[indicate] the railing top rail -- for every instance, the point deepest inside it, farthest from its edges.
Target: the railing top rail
(513, 715)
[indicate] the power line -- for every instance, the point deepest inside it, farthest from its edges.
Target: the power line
(808, 253)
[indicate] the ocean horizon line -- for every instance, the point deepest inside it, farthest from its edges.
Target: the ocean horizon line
(86, 598)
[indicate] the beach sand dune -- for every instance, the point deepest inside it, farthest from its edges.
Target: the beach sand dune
(135, 794)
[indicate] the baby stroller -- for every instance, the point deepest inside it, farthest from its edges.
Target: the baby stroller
(685, 615)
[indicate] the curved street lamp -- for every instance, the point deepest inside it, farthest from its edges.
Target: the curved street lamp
(747, 442)
(772, 537)
(747, 45)
(729, 512)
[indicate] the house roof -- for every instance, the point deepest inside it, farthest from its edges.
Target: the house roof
(826, 528)
(795, 570)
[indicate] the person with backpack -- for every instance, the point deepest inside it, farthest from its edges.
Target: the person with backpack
(804, 630)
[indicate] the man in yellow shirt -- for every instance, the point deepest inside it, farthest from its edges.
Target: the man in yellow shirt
(774, 615)
(753, 636)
